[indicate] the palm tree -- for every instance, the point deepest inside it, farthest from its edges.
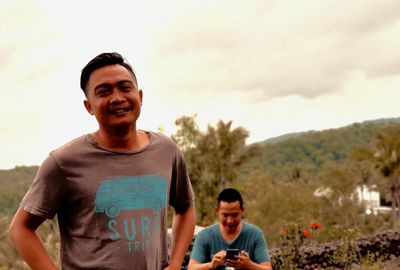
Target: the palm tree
(226, 148)
(385, 155)
(387, 158)
(212, 158)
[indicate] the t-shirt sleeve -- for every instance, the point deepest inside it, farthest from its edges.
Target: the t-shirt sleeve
(261, 253)
(200, 252)
(181, 191)
(45, 193)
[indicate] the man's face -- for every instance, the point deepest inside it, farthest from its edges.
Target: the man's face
(229, 215)
(113, 97)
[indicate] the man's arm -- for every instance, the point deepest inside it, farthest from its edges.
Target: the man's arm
(266, 265)
(217, 260)
(243, 262)
(182, 235)
(28, 244)
(195, 265)
(260, 266)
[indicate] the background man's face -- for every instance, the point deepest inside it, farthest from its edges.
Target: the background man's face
(229, 215)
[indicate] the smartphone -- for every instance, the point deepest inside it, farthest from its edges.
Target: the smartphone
(230, 254)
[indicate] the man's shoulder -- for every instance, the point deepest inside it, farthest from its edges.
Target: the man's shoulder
(209, 231)
(161, 141)
(249, 227)
(159, 137)
(71, 148)
(76, 142)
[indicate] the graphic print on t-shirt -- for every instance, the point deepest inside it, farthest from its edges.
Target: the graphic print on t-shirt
(133, 206)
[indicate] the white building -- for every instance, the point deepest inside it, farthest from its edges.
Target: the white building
(371, 199)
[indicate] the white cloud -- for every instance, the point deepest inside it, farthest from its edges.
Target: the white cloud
(284, 49)
(273, 67)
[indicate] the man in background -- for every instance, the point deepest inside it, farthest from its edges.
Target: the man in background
(209, 250)
(109, 189)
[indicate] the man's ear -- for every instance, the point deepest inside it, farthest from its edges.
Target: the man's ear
(141, 96)
(88, 107)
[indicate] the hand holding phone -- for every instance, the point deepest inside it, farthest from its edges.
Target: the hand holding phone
(231, 253)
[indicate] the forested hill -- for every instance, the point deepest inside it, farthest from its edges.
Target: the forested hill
(307, 150)
(311, 150)
(14, 184)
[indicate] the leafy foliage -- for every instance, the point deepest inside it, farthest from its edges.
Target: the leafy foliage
(14, 184)
(314, 148)
(212, 159)
(384, 155)
(292, 237)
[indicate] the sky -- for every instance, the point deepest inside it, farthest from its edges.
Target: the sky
(270, 66)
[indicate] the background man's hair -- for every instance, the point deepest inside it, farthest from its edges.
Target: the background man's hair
(230, 195)
(102, 60)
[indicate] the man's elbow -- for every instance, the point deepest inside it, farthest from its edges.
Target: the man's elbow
(22, 223)
(14, 230)
(267, 265)
(192, 265)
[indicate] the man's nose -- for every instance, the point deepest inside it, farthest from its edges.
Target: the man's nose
(116, 96)
(229, 219)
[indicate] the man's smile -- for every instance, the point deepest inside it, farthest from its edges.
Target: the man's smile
(119, 111)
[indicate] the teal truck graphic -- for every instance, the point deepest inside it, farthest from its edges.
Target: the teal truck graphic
(131, 193)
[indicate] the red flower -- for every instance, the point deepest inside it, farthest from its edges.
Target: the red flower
(315, 226)
(306, 234)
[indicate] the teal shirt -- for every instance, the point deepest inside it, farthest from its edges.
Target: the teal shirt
(251, 239)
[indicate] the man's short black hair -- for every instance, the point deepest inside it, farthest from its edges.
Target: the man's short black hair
(102, 60)
(230, 195)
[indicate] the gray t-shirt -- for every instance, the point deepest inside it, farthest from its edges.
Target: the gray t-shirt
(111, 206)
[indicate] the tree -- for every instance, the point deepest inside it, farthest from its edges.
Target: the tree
(212, 158)
(225, 150)
(384, 152)
(273, 204)
(339, 182)
(387, 158)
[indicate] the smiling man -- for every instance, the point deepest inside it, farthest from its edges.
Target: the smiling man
(110, 189)
(231, 233)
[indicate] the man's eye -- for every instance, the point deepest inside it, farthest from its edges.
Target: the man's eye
(102, 92)
(125, 88)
